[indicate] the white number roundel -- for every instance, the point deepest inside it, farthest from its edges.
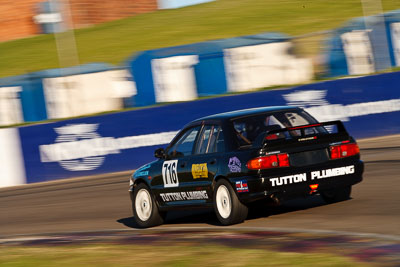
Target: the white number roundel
(170, 174)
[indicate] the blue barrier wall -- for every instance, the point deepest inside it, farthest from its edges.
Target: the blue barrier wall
(210, 71)
(31, 96)
(141, 68)
(378, 29)
(369, 106)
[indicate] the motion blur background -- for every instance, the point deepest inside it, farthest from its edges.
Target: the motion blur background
(90, 88)
(64, 59)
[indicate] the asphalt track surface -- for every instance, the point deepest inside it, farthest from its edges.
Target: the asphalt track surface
(102, 203)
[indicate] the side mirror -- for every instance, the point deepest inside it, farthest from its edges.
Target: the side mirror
(159, 153)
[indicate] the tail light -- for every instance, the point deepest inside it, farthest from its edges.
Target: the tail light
(271, 161)
(344, 150)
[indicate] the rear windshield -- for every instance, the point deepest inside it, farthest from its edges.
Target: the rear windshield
(249, 128)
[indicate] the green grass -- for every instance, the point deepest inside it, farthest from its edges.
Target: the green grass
(145, 255)
(115, 41)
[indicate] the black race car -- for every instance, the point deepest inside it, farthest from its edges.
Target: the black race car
(232, 160)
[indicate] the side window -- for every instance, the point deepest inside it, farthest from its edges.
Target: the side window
(241, 133)
(211, 140)
(204, 139)
(217, 143)
(184, 145)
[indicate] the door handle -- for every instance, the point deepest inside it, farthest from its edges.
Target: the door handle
(213, 161)
(183, 164)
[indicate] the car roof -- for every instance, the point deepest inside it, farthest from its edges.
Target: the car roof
(245, 112)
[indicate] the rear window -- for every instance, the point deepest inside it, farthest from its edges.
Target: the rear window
(249, 128)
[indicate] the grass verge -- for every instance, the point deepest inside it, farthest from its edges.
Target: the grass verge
(115, 41)
(169, 255)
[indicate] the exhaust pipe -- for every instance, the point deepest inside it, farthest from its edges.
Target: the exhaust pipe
(275, 199)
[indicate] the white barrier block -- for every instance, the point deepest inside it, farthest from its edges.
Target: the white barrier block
(122, 83)
(395, 30)
(12, 170)
(89, 93)
(358, 50)
(10, 105)
(174, 78)
(264, 65)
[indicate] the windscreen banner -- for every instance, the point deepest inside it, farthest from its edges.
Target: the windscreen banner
(368, 106)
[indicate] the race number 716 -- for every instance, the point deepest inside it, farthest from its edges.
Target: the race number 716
(170, 174)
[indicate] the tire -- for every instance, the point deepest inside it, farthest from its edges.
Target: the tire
(336, 194)
(228, 208)
(145, 210)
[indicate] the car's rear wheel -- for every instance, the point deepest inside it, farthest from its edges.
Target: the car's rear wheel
(144, 207)
(228, 208)
(336, 194)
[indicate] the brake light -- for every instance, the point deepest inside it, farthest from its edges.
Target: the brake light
(283, 160)
(271, 161)
(344, 150)
(271, 137)
(305, 126)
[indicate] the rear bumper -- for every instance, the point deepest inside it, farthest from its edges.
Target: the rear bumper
(296, 183)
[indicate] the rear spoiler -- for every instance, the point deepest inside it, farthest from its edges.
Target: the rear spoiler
(275, 135)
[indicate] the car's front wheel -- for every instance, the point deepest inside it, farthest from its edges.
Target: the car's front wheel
(336, 194)
(228, 208)
(144, 207)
